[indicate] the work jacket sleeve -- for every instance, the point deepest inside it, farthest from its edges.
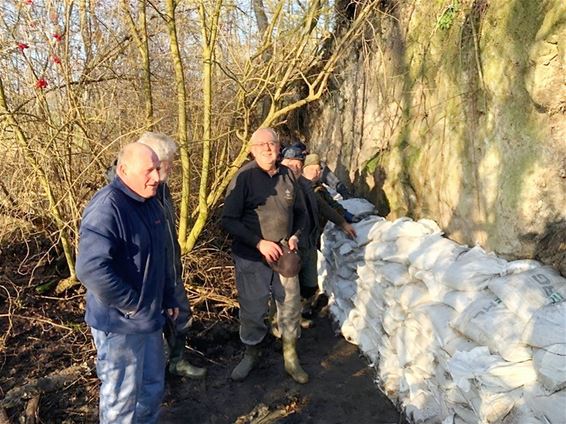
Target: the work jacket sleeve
(233, 212)
(300, 216)
(328, 212)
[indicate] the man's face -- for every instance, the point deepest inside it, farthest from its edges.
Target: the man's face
(294, 165)
(312, 172)
(141, 173)
(265, 151)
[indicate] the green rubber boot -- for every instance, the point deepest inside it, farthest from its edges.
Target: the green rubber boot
(182, 367)
(292, 365)
(247, 363)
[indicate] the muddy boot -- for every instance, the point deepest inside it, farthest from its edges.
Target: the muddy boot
(247, 363)
(184, 368)
(291, 359)
(307, 313)
(181, 367)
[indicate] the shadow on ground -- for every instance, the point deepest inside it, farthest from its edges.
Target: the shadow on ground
(341, 389)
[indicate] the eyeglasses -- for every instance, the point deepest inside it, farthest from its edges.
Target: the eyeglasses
(269, 144)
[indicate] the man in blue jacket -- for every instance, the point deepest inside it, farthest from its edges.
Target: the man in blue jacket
(122, 261)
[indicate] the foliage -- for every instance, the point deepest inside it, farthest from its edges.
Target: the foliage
(446, 20)
(81, 78)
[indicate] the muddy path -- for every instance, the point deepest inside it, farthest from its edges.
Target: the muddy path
(341, 387)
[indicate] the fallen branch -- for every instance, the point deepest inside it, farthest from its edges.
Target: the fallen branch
(43, 320)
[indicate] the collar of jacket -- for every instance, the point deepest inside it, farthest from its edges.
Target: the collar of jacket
(278, 167)
(119, 184)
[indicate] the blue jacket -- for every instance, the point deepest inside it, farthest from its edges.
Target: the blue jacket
(122, 261)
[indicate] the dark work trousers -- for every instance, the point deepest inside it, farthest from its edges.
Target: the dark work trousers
(256, 283)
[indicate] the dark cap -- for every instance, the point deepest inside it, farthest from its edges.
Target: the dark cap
(300, 145)
(288, 264)
(293, 152)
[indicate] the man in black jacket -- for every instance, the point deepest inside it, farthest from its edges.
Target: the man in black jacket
(264, 206)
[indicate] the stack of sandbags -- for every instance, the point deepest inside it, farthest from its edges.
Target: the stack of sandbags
(458, 333)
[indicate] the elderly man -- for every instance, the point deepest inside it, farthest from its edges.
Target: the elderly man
(165, 149)
(123, 264)
(264, 206)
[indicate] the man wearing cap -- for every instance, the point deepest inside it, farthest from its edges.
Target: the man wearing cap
(319, 211)
(314, 174)
(327, 177)
(264, 206)
(324, 212)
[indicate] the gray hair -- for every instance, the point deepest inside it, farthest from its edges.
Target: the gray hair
(257, 133)
(163, 145)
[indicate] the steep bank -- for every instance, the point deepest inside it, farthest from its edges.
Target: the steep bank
(455, 111)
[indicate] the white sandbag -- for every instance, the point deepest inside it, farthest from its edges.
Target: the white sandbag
(472, 270)
(369, 272)
(490, 371)
(346, 270)
(520, 265)
(393, 318)
(359, 206)
(389, 373)
(350, 331)
(467, 366)
(407, 228)
(339, 314)
(401, 249)
(367, 306)
(521, 414)
(410, 344)
(344, 289)
(547, 326)
(460, 300)
(412, 295)
(489, 323)
(366, 228)
(377, 250)
(526, 292)
(421, 407)
(550, 365)
(435, 249)
(435, 288)
(395, 273)
(434, 319)
(548, 407)
(493, 407)
(483, 406)
(459, 344)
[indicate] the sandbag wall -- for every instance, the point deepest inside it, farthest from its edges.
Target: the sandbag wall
(457, 335)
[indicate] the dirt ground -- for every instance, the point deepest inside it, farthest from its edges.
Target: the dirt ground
(47, 358)
(340, 390)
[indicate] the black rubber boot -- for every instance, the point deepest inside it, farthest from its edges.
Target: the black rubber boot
(248, 362)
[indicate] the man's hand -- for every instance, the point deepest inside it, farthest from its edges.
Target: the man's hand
(349, 230)
(270, 250)
(173, 313)
(294, 243)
